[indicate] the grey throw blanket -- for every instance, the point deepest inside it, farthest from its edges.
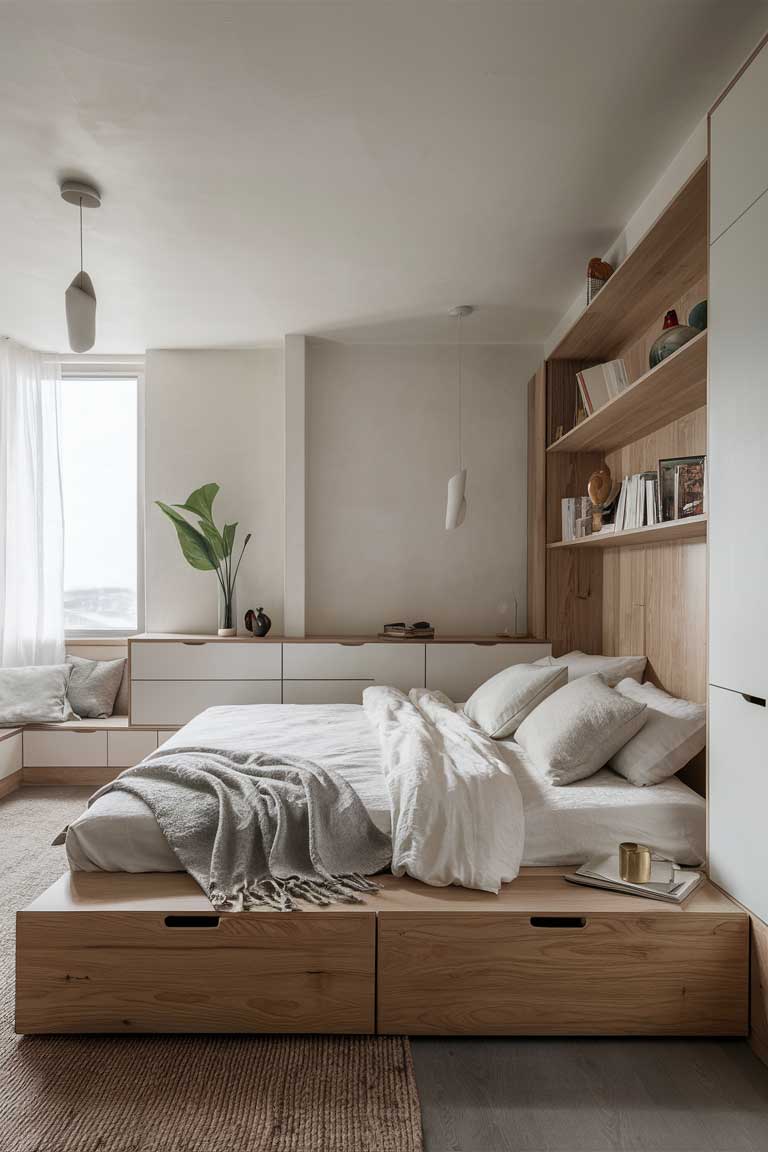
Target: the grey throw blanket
(260, 830)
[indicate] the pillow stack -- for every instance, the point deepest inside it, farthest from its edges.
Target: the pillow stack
(611, 668)
(500, 705)
(675, 732)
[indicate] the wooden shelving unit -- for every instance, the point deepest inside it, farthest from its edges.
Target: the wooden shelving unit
(675, 387)
(692, 528)
(668, 260)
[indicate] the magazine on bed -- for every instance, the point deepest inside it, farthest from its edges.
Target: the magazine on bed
(668, 882)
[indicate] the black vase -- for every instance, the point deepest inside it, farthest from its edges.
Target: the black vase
(258, 623)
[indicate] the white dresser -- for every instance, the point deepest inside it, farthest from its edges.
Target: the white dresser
(175, 677)
(738, 454)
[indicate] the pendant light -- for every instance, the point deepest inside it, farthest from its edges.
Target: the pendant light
(456, 506)
(80, 297)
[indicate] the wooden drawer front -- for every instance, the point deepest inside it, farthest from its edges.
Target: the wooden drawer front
(259, 972)
(165, 735)
(71, 747)
(672, 974)
(204, 660)
(737, 798)
(458, 669)
(324, 691)
(10, 755)
(401, 665)
(124, 749)
(160, 702)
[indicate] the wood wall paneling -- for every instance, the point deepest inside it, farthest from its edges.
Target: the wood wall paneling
(537, 507)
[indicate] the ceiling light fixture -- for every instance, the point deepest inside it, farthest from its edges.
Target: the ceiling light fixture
(80, 297)
(456, 506)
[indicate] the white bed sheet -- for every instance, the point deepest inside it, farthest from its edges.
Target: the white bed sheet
(563, 826)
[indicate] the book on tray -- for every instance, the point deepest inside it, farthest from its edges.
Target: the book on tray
(668, 882)
(601, 383)
(403, 631)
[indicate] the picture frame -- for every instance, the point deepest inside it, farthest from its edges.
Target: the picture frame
(682, 487)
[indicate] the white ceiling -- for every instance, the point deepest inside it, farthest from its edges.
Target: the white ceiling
(348, 169)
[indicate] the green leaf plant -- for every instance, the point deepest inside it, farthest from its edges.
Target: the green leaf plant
(204, 547)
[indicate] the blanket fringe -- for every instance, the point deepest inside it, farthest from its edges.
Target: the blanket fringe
(281, 894)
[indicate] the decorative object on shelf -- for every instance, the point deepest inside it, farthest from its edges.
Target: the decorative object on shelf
(602, 492)
(681, 487)
(672, 337)
(420, 630)
(257, 622)
(208, 550)
(697, 317)
(80, 297)
(456, 506)
(599, 273)
(634, 863)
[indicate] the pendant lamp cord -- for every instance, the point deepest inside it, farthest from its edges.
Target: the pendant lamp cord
(458, 373)
(81, 242)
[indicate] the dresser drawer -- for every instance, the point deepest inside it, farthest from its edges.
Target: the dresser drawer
(162, 702)
(205, 660)
(124, 749)
(401, 665)
(324, 691)
(458, 669)
(65, 748)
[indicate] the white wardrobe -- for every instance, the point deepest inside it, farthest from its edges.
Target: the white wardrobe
(738, 483)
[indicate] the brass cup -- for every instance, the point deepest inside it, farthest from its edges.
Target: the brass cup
(635, 863)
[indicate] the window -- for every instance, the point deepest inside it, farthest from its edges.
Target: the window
(100, 480)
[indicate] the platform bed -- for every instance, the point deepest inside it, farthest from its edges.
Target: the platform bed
(104, 952)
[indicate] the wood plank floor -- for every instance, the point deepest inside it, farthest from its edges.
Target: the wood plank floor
(552, 1095)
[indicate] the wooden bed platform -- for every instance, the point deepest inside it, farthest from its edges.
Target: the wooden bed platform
(105, 952)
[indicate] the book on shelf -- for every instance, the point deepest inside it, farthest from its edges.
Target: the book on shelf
(668, 882)
(404, 631)
(638, 502)
(601, 383)
(682, 487)
(576, 515)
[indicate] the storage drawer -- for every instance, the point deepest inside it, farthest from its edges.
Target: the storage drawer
(205, 660)
(738, 798)
(65, 748)
(739, 146)
(665, 974)
(324, 691)
(124, 749)
(458, 669)
(165, 735)
(152, 972)
(161, 702)
(401, 665)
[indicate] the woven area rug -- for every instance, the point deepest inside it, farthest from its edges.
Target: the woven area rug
(180, 1093)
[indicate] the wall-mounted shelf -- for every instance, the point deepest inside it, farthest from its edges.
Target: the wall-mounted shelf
(668, 260)
(692, 528)
(675, 387)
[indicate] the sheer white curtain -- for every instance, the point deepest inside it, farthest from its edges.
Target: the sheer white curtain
(31, 512)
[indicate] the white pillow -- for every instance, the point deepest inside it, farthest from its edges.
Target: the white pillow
(500, 705)
(574, 732)
(611, 668)
(36, 695)
(675, 732)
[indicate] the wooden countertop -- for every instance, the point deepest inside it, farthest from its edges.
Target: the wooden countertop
(202, 638)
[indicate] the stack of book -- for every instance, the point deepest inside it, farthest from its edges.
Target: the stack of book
(403, 631)
(576, 517)
(638, 502)
(602, 383)
(667, 882)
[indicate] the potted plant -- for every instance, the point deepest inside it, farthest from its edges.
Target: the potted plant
(208, 549)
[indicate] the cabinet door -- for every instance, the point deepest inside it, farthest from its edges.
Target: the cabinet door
(124, 749)
(739, 147)
(204, 660)
(157, 703)
(400, 665)
(737, 799)
(324, 691)
(738, 454)
(458, 669)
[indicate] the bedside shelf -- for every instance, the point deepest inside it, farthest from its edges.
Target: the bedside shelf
(669, 259)
(675, 387)
(692, 528)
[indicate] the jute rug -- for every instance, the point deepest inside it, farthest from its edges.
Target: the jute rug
(186, 1093)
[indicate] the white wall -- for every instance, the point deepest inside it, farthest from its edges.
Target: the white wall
(214, 416)
(381, 432)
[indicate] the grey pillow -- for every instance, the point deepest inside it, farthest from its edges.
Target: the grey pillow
(36, 695)
(93, 686)
(577, 729)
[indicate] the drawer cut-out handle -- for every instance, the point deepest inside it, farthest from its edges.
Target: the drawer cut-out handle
(351, 643)
(758, 700)
(192, 921)
(558, 922)
(194, 643)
